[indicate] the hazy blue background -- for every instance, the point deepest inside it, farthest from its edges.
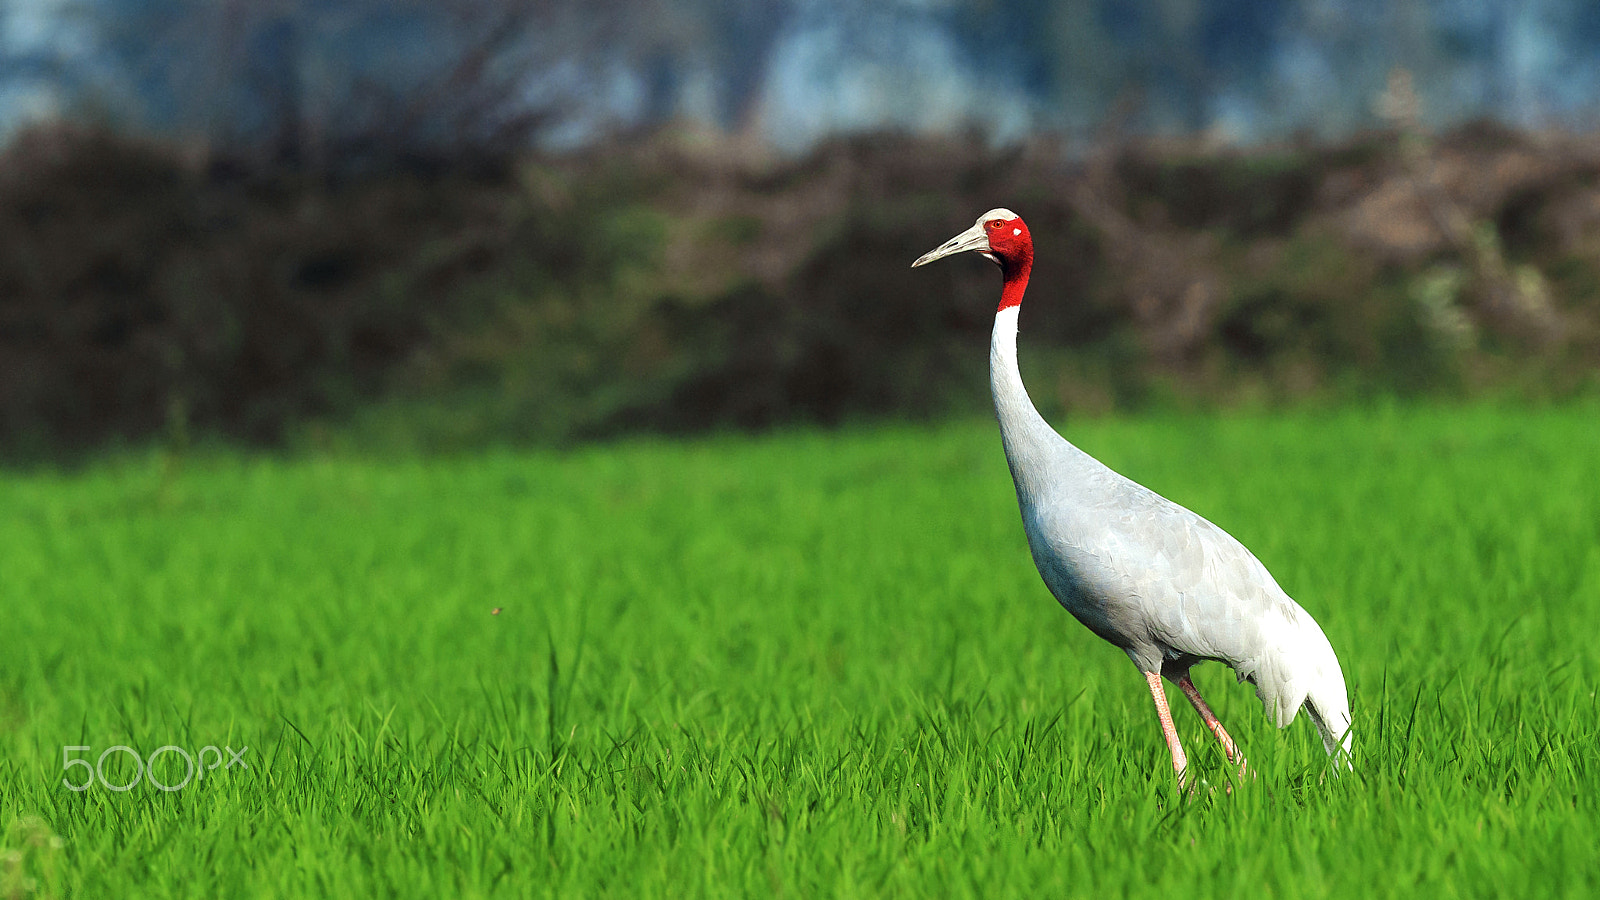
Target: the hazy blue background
(791, 71)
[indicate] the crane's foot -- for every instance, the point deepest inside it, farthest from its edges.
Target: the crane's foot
(1244, 769)
(1197, 786)
(1241, 774)
(1192, 784)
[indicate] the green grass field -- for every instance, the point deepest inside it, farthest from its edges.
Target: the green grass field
(808, 665)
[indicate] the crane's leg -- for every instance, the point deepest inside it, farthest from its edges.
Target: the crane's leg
(1164, 712)
(1229, 748)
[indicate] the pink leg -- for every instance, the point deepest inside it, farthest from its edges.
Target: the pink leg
(1229, 748)
(1159, 695)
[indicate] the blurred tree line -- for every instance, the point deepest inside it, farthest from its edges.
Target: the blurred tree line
(671, 284)
(359, 237)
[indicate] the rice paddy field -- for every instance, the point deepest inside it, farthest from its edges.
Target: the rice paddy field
(812, 664)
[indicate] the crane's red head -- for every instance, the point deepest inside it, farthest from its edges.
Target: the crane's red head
(1001, 237)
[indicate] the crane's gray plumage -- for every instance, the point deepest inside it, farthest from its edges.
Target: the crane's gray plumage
(1165, 585)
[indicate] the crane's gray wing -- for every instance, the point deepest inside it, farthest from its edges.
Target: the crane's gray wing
(1154, 577)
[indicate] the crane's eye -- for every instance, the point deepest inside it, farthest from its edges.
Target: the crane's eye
(995, 223)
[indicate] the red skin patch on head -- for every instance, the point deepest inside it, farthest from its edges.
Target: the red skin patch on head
(1012, 245)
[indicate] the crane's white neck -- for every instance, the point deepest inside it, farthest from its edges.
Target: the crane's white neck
(1027, 437)
(1005, 378)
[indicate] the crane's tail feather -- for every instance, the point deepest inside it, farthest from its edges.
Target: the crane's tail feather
(1331, 714)
(1304, 673)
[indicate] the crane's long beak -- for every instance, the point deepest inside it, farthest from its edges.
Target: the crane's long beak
(971, 239)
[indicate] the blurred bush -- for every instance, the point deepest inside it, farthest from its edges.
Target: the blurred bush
(666, 284)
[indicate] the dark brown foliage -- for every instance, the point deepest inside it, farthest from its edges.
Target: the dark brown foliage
(144, 290)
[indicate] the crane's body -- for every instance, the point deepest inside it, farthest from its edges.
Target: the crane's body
(1158, 581)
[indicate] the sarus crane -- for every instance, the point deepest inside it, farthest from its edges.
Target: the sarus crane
(1163, 584)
